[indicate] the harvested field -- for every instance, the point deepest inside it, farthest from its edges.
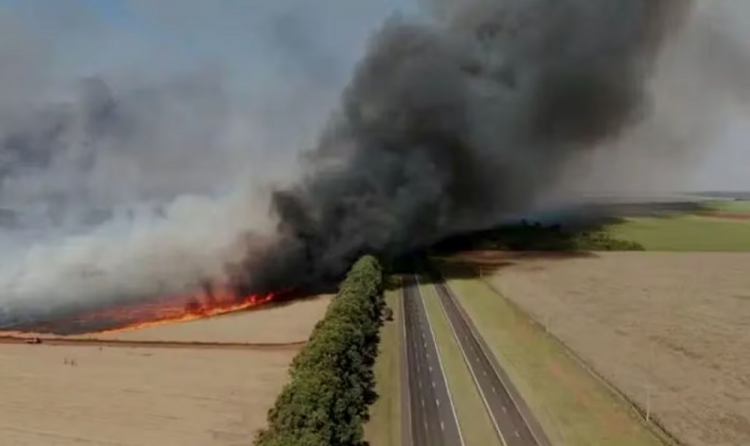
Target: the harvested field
(60, 396)
(285, 323)
(669, 325)
(70, 391)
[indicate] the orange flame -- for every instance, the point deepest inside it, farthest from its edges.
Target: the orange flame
(199, 305)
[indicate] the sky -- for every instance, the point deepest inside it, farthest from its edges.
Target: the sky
(283, 59)
(192, 104)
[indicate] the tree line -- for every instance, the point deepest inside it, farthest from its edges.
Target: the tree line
(332, 379)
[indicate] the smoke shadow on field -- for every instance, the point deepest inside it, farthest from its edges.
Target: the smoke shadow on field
(479, 264)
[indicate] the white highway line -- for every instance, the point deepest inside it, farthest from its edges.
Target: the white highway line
(471, 370)
(440, 361)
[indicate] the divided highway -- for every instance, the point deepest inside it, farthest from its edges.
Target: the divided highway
(511, 419)
(432, 416)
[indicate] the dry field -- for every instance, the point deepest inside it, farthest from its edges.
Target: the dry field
(135, 396)
(280, 324)
(666, 327)
(61, 395)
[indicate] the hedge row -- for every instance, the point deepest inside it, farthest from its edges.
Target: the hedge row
(332, 382)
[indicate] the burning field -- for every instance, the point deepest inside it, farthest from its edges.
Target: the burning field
(209, 302)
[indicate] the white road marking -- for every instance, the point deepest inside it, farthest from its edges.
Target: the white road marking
(442, 426)
(422, 403)
(437, 401)
(517, 435)
(485, 372)
(493, 389)
(505, 410)
(433, 384)
(430, 369)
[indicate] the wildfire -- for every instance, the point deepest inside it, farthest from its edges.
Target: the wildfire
(200, 305)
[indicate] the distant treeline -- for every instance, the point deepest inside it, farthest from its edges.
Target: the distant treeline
(528, 236)
(332, 381)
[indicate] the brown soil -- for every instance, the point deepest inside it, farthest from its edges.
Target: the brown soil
(670, 325)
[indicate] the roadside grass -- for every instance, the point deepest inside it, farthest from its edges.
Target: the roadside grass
(573, 407)
(474, 421)
(686, 234)
(384, 427)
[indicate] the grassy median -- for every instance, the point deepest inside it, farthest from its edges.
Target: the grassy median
(574, 408)
(474, 421)
(384, 427)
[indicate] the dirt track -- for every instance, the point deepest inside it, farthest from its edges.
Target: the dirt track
(93, 342)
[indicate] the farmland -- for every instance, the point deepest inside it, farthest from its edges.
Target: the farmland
(722, 226)
(121, 396)
(133, 394)
(668, 329)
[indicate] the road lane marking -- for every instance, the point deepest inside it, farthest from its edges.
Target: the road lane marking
(451, 324)
(423, 310)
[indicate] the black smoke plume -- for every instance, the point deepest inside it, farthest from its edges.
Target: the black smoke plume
(451, 124)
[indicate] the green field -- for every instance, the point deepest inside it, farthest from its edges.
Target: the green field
(475, 423)
(686, 234)
(384, 427)
(573, 407)
(729, 206)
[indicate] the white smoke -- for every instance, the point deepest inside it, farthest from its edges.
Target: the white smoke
(137, 170)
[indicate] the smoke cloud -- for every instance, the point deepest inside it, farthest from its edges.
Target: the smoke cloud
(449, 125)
(131, 185)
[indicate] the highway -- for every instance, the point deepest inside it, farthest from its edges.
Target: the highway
(513, 421)
(433, 418)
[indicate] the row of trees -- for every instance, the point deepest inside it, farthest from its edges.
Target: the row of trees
(332, 381)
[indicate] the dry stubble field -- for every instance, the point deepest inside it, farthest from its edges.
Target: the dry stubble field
(674, 323)
(144, 396)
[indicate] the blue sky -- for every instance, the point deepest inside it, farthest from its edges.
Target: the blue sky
(247, 38)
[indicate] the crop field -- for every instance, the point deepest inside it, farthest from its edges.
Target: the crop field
(670, 330)
(723, 226)
(60, 396)
(690, 233)
(137, 394)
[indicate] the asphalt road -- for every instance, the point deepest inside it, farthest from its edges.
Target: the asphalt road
(433, 418)
(513, 421)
